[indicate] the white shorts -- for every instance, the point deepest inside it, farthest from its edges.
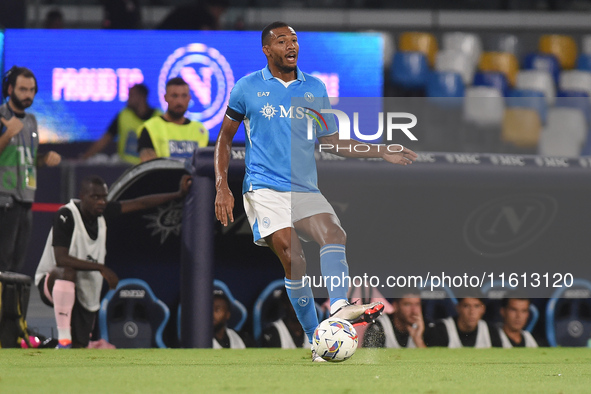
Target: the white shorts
(269, 210)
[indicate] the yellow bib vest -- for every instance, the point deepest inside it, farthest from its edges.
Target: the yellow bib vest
(174, 140)
(127, 124)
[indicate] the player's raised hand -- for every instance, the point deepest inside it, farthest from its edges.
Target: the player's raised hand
(13, 126)
(110, 277)
(404, 157)
(224, 205)
(185, 185)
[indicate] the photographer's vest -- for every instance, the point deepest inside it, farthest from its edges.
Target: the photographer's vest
(18, 171)
(127, 125)
(175, 140)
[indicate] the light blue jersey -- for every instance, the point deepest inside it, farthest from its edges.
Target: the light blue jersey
(276, 124)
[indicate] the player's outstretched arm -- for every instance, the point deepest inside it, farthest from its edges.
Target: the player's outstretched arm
(224, 200)
(153, 200)
(64, 259)
(395, 154)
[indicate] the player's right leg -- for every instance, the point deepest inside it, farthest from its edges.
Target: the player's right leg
(60, 290)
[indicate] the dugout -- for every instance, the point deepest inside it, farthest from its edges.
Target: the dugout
(454, 214)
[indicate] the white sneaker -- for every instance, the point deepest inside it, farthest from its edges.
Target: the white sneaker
(316, 358)
(360, 313)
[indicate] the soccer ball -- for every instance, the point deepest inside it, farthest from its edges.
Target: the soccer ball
(335, 340)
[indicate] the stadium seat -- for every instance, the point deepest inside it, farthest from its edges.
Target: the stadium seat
(484, 106)
(568, 315)
(445, 84)
(584, 62)
(409, 70)
(562, 46)
(132, 317)
(452, 60)
(468, 43)
(438, 303)
(493, 79)
(586, 40)
(537, 80)
(543, 62)
(577, 80)
(564, 134)
(503, 62)
(579, 100)
(238, 311)
(504, 43)
(532, 99)
(419, 42)
(521, 127)
(267, 308)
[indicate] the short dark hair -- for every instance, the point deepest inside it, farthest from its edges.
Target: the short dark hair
(267, 30)
(11, 76)
(89, 181)
(482, 300)
(505, 300)
(176, 81)
(141, 89)
(219, 293)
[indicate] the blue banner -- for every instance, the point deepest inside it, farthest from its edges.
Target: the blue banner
(84, 75)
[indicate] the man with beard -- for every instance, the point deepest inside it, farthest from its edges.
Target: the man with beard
(172, 135)
(19, 140)
(224, 337)
(402, 329)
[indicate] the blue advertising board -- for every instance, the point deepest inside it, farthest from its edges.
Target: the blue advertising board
(84, 75)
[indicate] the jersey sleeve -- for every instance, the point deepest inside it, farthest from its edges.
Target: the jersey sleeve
(331, 125)
(236, 105)
(63, 228)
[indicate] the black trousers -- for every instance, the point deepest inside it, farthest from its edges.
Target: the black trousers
(15, 231)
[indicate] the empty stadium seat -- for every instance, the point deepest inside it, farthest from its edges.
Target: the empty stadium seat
(584, 62)
(484, 106)
(564, 134)
(574, 99)
(568, 315)
(468, 43)
(452, 60)
(419, 42)
(409, 70)
(493, 79)
(438, 303)
(577, 80)
(132, 317)
(537, 80)
(503, 62)
(445, 84)
(532, 99)
(504, 43)
(543, 62)
(521, 127)
(562, 46)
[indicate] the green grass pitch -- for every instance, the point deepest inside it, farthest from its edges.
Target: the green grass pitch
(548, 370)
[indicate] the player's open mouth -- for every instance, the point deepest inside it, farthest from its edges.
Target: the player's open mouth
(291, 57)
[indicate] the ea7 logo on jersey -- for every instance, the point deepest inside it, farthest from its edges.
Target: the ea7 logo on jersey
(263, 94)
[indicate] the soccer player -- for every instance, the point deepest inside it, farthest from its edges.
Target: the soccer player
(403, 328)
(515, 312)
(466, 330)
(280, 192)
(224, 337)
(71, 270)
